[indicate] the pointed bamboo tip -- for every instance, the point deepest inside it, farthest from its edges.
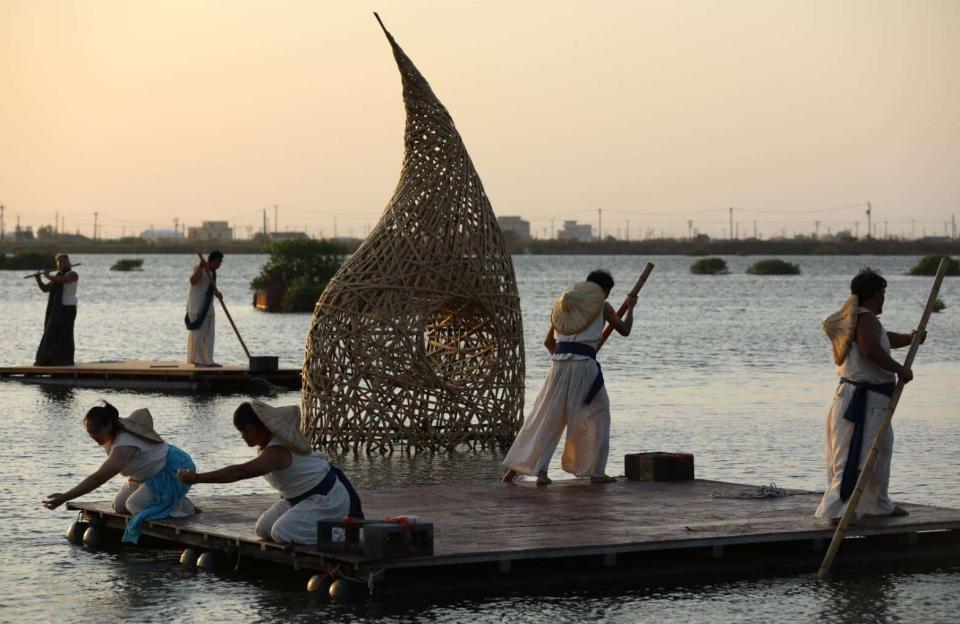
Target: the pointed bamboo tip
(380, 21)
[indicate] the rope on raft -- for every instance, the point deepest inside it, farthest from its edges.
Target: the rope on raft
(762, 491)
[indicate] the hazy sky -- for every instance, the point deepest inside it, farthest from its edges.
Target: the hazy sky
(656, 112)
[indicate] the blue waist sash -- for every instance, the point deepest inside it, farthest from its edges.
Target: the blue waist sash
(207, 302)
(578, 348)
(856, 413)
(167, 491)
(326, 484)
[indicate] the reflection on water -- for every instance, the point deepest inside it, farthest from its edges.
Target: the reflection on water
(732, 368)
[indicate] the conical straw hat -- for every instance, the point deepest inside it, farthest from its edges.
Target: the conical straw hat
(140, 423)
(841, 327)
(577, 307)
(283, 422)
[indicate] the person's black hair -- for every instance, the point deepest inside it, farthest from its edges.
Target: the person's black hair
(216, 254)
(867, 283)
(244, 416)
(104, 416)
(601, 278)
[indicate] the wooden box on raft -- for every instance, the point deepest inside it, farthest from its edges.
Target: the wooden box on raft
(377, 539)
(659, 466)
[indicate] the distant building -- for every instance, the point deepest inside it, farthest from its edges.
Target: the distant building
(516, 225)
(155, 235)
(211, 231)
(282, 236)
(572, 230)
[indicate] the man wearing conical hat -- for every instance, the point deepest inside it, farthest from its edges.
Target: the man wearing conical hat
(868, 375)
(573, 395)
(311, 489)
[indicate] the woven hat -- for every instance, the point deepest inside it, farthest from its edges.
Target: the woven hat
(283, 422)
(140, 423)
(840, 327)
(577, 307)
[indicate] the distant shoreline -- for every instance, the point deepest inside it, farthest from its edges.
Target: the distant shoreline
(652, 247)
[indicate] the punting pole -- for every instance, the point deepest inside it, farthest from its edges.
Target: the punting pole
(626, 302)
(851, 509)
(41, 272)
(225, 310)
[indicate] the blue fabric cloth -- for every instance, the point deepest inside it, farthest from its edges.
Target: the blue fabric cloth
(857, 414)
(167, 491)
(207, 302)
(578, 348)
(326, 484)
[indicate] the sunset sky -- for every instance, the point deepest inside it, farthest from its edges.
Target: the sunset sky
(655, 111)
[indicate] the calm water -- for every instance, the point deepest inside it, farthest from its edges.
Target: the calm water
(731, 368)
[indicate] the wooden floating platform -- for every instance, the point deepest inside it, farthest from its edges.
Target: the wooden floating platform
(502, 536)
(155, 375)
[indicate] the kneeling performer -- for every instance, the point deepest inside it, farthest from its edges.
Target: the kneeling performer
(310, 487)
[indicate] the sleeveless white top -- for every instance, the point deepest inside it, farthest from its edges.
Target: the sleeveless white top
(70, 293)
(588, 336)
(858, 367)
(149, 459)
(303, 473)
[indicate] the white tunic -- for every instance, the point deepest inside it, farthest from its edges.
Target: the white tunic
(560, 405)
(200, 340)
(70, 293)
(149, 459)
(303, 473)
(876, 499)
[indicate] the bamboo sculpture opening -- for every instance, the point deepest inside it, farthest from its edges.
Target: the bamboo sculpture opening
(417, 342)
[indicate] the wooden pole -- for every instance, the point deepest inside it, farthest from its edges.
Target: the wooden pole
(224, 306)
(626, 302)
(41, 272)
(851, 509)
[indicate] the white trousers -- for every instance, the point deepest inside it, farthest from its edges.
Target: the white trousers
(284, 523)
(560, 405)
(200, 341)
(133, 498)
(875, 500)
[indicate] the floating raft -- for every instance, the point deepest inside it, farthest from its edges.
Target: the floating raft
(154, 375)
(501, 536)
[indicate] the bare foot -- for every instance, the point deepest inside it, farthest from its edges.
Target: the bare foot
(543, 479)
(602, 479)
(899, 511)
(510, 476)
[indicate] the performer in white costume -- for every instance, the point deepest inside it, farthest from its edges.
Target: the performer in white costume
(200, 318)
(310, 487)
(573, 395)
(867, 378)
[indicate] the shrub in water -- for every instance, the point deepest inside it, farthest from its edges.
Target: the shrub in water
(928, 265)
(938, 305)
(301, 295)
(28, 261)
(127, 264)
(301, 268)
(709, 266)
(773, 266)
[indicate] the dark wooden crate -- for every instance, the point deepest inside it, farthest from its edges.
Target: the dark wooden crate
(387, 540)
(659, 466)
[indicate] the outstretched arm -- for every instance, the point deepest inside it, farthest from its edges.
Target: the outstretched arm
(868, 339)
(272, 458)
(70, 276)
(898, 341)
(622, 325)
(116, 460)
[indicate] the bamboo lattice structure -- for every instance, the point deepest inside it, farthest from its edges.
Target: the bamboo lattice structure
(417, 342)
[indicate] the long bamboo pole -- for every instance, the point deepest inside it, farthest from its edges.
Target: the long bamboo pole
(626, 302)
(851, 509)
(224, 306)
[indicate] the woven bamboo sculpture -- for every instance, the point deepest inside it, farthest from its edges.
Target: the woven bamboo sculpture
(417, 342)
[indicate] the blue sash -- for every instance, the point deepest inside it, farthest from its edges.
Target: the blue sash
(326, 484)
(207, 302)
(167, 491)
(578, 348)
(857, 413)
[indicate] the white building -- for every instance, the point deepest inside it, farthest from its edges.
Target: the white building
(572, 230)
(519, 227)
(211, 231)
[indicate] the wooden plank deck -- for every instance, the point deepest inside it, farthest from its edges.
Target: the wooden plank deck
(492, 528)
(153, 375)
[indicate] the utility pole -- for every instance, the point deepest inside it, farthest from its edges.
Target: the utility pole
(913, 229)
(731, 222)
(264, 224)
(869, 211)
(953, 218)
(628, 230)
(56, 223)
(856, 229)
(176, 228)
(553, 232)
(95, 215)
(275, 219)
(600, 225)
(816, 230)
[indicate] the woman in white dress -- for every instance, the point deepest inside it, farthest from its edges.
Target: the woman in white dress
(136, 451)
(311, 489)
(200, 319)
(573, 395)
(867, 378)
